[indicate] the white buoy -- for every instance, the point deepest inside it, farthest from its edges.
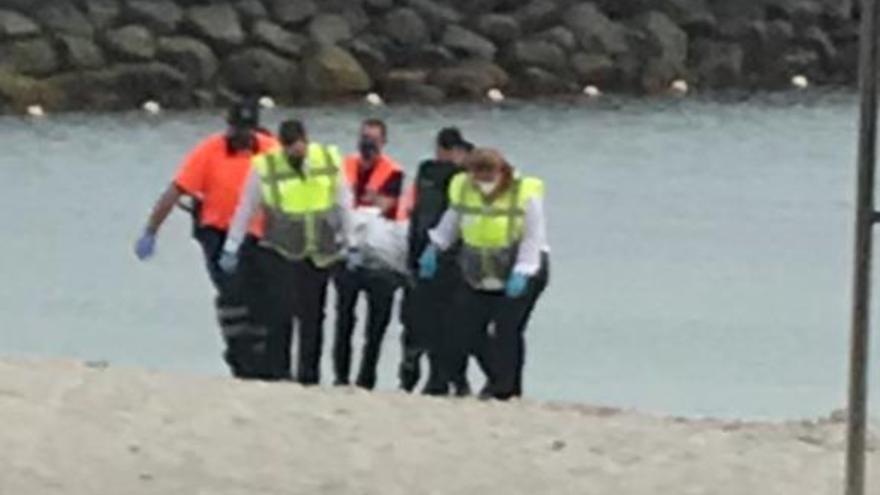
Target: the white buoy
(680, 87)
(267, 102)
(495, 95)
(592, 91)
(800, 81)
(374, 99)
(36, 111)
(152, 107)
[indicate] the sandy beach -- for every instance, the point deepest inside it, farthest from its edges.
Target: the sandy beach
(69, 428)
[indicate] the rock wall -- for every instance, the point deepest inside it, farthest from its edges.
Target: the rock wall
(112, 54)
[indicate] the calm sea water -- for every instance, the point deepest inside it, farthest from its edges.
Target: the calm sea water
(701, 249)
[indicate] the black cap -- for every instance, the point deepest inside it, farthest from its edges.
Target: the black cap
(291, 131)
(244, 114)
(450, 138)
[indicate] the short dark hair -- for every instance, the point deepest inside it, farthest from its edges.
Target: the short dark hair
(377, 123)
(291, 131)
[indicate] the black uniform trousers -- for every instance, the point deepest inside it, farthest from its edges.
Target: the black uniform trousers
(495, 326)
(379, 287)
(291, 295)
(244, 338)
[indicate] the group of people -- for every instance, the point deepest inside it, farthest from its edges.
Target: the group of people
(275, 217)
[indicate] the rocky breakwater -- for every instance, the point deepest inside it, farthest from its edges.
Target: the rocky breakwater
(114, 54)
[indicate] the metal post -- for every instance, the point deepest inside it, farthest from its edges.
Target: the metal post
(865, 219)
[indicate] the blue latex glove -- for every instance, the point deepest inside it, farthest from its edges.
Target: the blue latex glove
(516, 285)
(145, 246)
(228, 262)
(353, 259)
(428, 263)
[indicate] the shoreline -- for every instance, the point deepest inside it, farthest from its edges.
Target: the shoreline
(76, 429)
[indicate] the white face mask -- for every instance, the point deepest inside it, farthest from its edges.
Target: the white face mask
(487, 188)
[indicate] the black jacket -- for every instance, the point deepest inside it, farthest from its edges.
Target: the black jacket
(432, 200)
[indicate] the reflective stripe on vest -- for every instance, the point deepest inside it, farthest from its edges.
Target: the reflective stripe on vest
(302, 218)
(491, 231)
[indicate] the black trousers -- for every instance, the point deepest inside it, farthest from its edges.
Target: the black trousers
(495, 325)
(379, 287)
(245, 340)
(427, 316)
(291, 295)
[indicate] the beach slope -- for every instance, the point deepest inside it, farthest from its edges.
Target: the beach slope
(71, 429)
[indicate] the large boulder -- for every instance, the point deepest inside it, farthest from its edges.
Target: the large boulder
(592, 68)
(559, 35)
(292, 12)
(405, 27)
(257, 71)
(499, 28)
(124, 86)
(595, 32)
(101, 13)
(188, 55)
(18, 92)
(371, 58)
(219, 24)
(717, 64)
(467, 43)
(62, 16)
(161, 16)
(329, 29)
(15, 25)
(663, 38)
(378, 5)
(78, 52)
(332, 70)
(30, 57)
(277, 38)
(251, 10)
(436, 15)
(694, 16)
(818, 40)
(537, 14)
(537, 81)
(131, 43)
(539, 53)
(470, 79)
(800, 12)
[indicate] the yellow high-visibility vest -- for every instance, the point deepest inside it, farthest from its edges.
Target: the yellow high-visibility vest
(491, 230)
(302, 217)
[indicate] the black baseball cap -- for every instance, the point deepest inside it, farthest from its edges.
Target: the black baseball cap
(244, 114)
(450, 138)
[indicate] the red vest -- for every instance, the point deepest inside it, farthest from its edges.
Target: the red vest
(383, 171)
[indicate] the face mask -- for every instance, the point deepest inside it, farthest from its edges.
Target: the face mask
(239, 139)
(368, 149)
(487, 188)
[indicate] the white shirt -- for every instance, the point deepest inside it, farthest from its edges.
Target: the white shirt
(532, 245)
(252, 199)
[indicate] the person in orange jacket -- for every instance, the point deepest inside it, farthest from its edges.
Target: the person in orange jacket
(376, 181)
(213, 175)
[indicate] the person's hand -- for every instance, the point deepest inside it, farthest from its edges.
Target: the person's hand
(516, 285)
(353, 259)
(145, 246)
(428, 263)
(228, 262)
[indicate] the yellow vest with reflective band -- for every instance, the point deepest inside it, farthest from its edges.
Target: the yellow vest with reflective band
(302, 217)
(491, 231)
